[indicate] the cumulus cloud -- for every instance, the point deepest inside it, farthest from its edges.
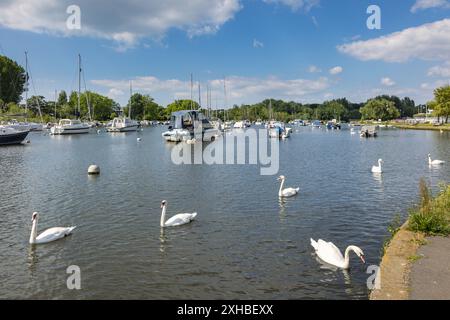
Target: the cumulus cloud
(428, 4)
(388, 82)
(427, 42)
(296, 5)
(440, 71)
(336, 70)
(239, 89)
(122, 22)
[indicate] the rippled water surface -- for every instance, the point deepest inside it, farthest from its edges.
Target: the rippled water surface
(245, 244)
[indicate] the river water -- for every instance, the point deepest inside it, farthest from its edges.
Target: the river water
(245, 243)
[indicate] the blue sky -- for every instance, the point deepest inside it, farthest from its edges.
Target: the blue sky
(286, 49)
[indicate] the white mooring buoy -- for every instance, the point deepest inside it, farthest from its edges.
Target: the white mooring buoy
(94, 169)
(139, 139)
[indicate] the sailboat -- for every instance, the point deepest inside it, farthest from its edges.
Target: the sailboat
(124, 124)
(72, 126)
(26, 126)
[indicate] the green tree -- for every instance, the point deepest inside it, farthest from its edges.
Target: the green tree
(62, 98)
(376, 109)
(179, 105)
(143, 107)
(12, 80)
(442, 99)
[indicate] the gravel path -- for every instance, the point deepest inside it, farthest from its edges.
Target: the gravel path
(430, 274)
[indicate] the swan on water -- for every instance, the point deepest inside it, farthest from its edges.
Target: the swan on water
(434, 162)
(378, 169)
(48, 235)
(330, 254)
(176, 220)
(288, 192)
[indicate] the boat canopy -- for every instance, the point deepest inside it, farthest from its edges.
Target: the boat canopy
(185, 119)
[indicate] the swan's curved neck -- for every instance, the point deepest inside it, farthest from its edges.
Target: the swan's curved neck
(379, 164)
(429, 159)
(281, 187)
(163, 216)
(33, 234)
(347, 256)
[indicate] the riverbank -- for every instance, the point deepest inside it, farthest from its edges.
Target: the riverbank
(416, 263)
(422, 127)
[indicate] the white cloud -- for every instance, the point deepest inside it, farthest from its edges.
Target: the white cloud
(428, 42)
(239, 89)
(125, 23)
(257, 44)
(296, 5)
(314, 69)
(440, 71)
(428, 4)
(388, 82)
(336, 70)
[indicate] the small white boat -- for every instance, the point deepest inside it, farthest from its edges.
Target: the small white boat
(122, 124)
(69, 126)
(184, 123)
(239, 125)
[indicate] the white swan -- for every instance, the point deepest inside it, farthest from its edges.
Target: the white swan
(176, 220)
(378, 169)
(434, 162)
(48, 235)
(288, 192)
(330, 254)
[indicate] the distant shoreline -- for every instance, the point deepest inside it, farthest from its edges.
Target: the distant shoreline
(422, 127)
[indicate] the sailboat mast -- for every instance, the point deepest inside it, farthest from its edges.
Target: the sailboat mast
(56, 119)
(129, 103)
(199, 97)
(225, 97)
(79, 84)
(191, 90)
(26, 85)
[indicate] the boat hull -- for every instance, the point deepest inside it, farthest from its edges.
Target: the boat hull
(67, 131)
(13, 138)
(124, 129)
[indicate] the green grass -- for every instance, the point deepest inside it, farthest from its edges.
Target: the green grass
(393, 228)
(432, 215)
(414, 258)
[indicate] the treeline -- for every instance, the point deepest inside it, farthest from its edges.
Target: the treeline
(382, 107)
(94, 106)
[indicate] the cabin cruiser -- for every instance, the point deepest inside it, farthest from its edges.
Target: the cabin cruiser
(10, 135)
(239, 125)
(122, 124)
(183, 123)
(368, 131)
(316, 124)
(69, 126)
(278, 130)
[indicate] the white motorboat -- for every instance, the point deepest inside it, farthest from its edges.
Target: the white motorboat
(239, 125)
(69, 126)
(123, 124)
(184, 123)
(10, 135)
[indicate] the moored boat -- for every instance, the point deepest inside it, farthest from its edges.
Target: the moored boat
(69, 126)
(9, 136)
